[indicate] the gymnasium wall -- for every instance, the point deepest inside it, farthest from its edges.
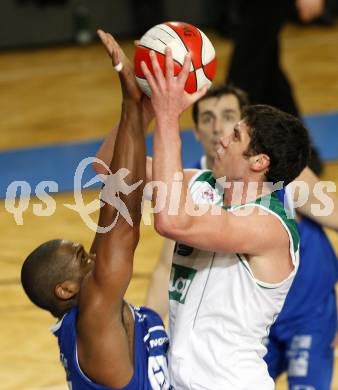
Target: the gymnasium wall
(27, 23)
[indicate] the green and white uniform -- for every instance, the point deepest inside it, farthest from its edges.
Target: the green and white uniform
(219, 312)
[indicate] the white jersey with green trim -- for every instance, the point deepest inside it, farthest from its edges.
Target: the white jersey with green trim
(219, 312)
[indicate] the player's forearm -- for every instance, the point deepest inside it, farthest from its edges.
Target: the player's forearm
(105, 153)
(329, 219)
(157, 294)
(129, 153)
(321, 205)
(167, 168)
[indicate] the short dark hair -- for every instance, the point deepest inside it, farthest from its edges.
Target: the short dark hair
(315, 163)
(219, 91)
(282, 137)
(42, 270)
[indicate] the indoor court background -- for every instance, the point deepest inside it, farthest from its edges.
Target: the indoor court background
(56, 96)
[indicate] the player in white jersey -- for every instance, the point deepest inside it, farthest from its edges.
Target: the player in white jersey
(236, 261)
(214, 115)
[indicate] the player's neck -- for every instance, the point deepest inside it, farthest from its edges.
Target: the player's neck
(209, 162)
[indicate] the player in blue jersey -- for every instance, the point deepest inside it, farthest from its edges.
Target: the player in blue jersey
(104, 342)
(300, 340)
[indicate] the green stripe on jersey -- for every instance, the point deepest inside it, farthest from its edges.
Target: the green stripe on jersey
(270, 201)
(208, 177)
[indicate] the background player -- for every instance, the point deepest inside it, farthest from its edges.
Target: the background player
(102, 339)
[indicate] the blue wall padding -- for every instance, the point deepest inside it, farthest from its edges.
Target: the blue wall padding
(58, 162)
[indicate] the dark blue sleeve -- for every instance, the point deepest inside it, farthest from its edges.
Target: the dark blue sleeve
(281, 194)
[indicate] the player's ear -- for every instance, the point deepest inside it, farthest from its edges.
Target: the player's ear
(67, 289)
(260, 162)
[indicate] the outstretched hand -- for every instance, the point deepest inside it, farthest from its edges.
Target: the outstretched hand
(168, 96)
(130, 88)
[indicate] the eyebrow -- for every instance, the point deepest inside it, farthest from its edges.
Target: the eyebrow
(208, 112)
(229, 110)
(226, 110)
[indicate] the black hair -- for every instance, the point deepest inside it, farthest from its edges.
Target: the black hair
(42, 270)
(282, 137)
(315, 163)
(219, 91)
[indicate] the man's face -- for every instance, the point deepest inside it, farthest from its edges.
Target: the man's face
(217, 117)
(231, 159)
(78, 261)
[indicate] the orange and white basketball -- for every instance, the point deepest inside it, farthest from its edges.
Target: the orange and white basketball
(181, 38)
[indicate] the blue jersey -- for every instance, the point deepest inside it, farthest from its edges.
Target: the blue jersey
(317, 273)
(300, 339)
(150, 348)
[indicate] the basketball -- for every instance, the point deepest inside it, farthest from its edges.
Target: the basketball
(181, 38)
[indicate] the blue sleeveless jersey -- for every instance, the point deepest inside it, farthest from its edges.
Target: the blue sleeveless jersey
(317, 273)
(150, 348)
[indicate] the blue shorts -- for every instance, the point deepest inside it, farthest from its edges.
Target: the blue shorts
(303, 349)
